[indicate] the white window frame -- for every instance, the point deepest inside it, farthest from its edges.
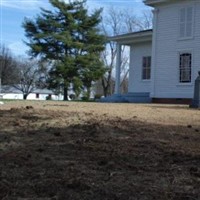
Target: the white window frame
(181, 67)
(146, 69)
(186, 23)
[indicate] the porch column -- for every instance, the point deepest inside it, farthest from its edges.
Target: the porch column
(118, 69)
(154, 53)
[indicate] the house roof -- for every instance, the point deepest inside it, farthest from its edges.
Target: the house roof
(154, 2)
(10, 89)
(134, 37)
(42, 91)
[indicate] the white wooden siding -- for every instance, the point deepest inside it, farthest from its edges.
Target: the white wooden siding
(137, 51)
(168, 46)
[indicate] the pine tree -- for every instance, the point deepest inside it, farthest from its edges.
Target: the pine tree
(69, 37)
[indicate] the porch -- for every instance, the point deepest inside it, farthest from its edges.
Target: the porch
(129, 39)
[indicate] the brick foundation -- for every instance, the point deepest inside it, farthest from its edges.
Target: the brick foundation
(172, 100)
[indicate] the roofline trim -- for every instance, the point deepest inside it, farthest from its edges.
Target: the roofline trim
(135, 37)
(153, 2)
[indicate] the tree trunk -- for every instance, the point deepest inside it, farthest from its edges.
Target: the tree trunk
(25, 96)
(105, 91)
(88, 93)
(65, 93)
(105, 88)
(106, 83)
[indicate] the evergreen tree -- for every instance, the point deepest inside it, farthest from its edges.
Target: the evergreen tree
(69, 37)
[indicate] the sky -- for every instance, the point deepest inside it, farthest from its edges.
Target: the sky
(13, 12)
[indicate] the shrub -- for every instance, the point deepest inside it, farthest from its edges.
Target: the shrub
(97, 96)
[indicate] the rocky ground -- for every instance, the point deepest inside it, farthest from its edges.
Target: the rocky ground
(90, 151)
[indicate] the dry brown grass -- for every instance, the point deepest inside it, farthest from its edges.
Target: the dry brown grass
(150, 113)
(68, 150)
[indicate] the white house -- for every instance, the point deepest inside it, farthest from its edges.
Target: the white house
(164, 62)
(8, 92)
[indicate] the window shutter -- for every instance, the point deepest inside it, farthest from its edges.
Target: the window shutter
(182, 22)
(186, 22)
(189, 22)
(182, 15)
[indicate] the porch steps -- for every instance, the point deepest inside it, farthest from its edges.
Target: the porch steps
(136, 97)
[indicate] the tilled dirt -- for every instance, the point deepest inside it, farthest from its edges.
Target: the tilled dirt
(81, 153)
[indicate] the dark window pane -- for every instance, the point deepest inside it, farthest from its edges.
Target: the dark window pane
(185, 67)
(146, 70)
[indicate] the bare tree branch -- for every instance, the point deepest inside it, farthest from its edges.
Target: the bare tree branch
(28, 77)
(8, 70)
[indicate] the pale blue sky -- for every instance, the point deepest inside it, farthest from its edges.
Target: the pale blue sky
(13, 12)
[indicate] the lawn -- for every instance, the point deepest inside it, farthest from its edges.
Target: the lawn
(94, 151)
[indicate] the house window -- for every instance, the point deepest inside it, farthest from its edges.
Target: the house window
(146, 68)
(37, 95)
(186, 22)
(185, 66)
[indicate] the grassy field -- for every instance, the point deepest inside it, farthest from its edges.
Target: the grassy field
(94, 151)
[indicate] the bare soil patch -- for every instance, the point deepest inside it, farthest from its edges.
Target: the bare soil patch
(90, 151)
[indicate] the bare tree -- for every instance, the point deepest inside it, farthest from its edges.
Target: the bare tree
(118, 22)
(43, 68)
(22, 74)
(8, 69)
(112, 24)
(28, 77)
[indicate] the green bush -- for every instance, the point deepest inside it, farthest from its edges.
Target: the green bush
(84, 98)
(48, 97)
(97, 96)
(72, 96)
